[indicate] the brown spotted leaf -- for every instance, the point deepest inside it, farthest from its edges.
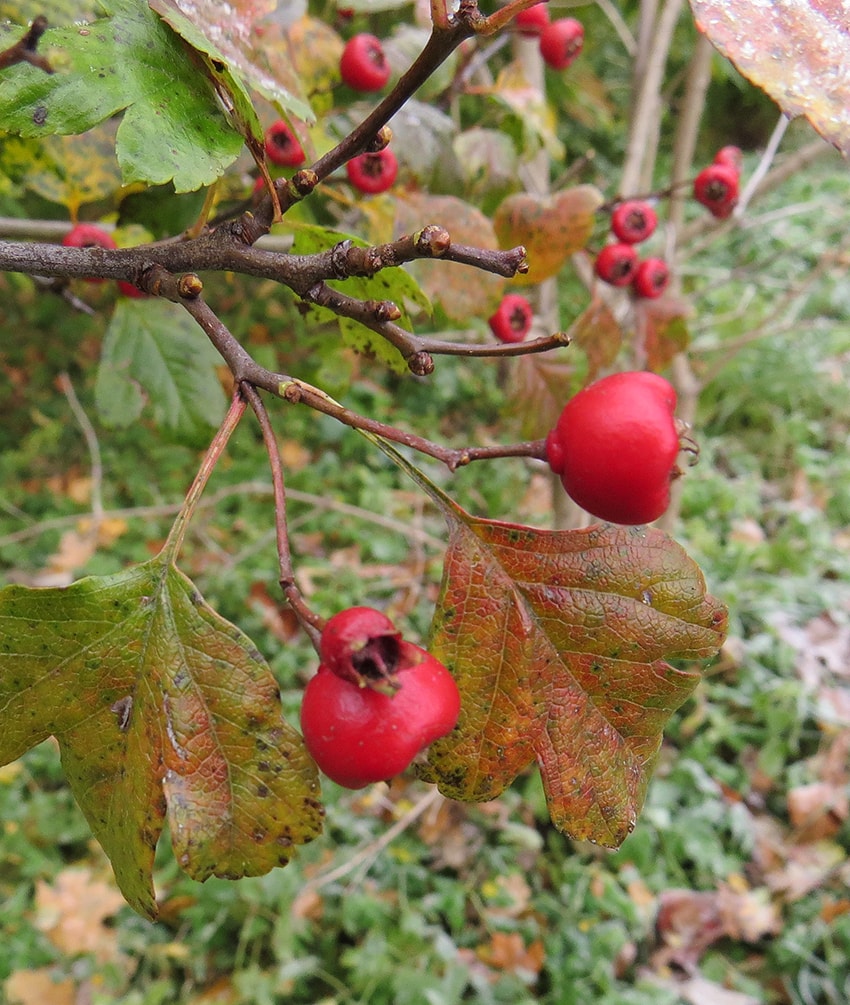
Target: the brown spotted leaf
(797, 52)
(161, 709)
(558, 641)
(551, 228)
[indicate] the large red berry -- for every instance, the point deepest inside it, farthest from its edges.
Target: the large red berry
(616, 264)
(716, 187)
(652, 278)
(633, 221)
(532, 20)
(561, 41)
(282, 146)
(364, 65)
(360, 644)
(373, 172)
(88, 235)
(512, 319)
(615, 445)
(358, 735)
(731, 156)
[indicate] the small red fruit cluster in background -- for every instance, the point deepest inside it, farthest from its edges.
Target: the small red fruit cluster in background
(90, 235)
(632, 222)
(560, 41)
(364, 65)
(716, 186)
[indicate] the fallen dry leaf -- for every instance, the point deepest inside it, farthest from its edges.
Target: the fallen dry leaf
(72, 910)
(37, 987)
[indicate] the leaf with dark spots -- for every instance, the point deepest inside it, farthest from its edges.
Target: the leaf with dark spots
(558, 641)
(161, 709)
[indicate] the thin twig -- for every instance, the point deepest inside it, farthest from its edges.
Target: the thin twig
(24, 50)
(67, 388)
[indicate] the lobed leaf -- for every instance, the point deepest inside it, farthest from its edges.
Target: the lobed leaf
(162, 709)
(796, 52)
(558, 642)
(172, 130)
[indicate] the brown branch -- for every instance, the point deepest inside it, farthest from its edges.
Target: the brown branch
(24, 50)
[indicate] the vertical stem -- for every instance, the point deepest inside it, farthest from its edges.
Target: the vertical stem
(309, 621)
(174, 541)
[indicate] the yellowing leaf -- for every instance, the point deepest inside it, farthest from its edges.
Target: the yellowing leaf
(550, 228)
(161, 708)
(797, 52)
(557, 641)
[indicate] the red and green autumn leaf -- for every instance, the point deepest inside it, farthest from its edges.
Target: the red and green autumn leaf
(558, 641)
(162, 709)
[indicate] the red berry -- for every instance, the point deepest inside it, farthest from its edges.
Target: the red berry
(730, 156)
(616, 264)
(651, 278)
(88, 235)
(358, 735)
(532, 20)
(282, 146)
(364, 65)
(615, 445)
(633, 221)
(716, 187)
(561, 41)
(130, 290)
(360, 645)
(373, 172)
(512, 320)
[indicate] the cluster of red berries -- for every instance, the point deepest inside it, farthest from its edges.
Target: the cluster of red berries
(89, 235)
(632, 222)
(716, 186)
(376, 700)
(560, 41)
(615, 447)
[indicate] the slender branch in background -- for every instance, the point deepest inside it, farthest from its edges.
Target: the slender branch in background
(63, 381)
(24, 50)
(764, 165)
(175, 537)
(619, 25)
(309, 621)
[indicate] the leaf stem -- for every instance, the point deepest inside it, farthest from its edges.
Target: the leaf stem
(174, 541)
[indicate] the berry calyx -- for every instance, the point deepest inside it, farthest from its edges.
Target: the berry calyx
(616, 264)
(89, 235)
(372, 173)
(615, 446)
(358, 735)
(716, 188)
(512, 320)
(633, 221)
(652, 278)
(532, 20)
(364, 65)
(561, 41)
(361, 645)
(282, 145)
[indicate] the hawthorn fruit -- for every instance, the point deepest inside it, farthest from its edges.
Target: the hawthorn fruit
(561, 42)
(364, 65)
(633, 221)
(372, 173)
(652, 277)
(89, 235)
(532, 20)
(282, 145)
(716, 188)
(616, 264)
(512, 319)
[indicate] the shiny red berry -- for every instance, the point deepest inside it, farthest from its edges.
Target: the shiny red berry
(373, 172)
(364, 65)
(615, 446)
(616, 264)
(716, 187)
(561, 41)
(89, 235)
(358, 735)
(532, 20)
(652, 278)
(512, 319)
(282, 145)
(633, 221)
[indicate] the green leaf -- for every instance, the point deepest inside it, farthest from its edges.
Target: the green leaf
(558, 641)
(154, 352)
(395, 284)
(162, 710)
(172, 129)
